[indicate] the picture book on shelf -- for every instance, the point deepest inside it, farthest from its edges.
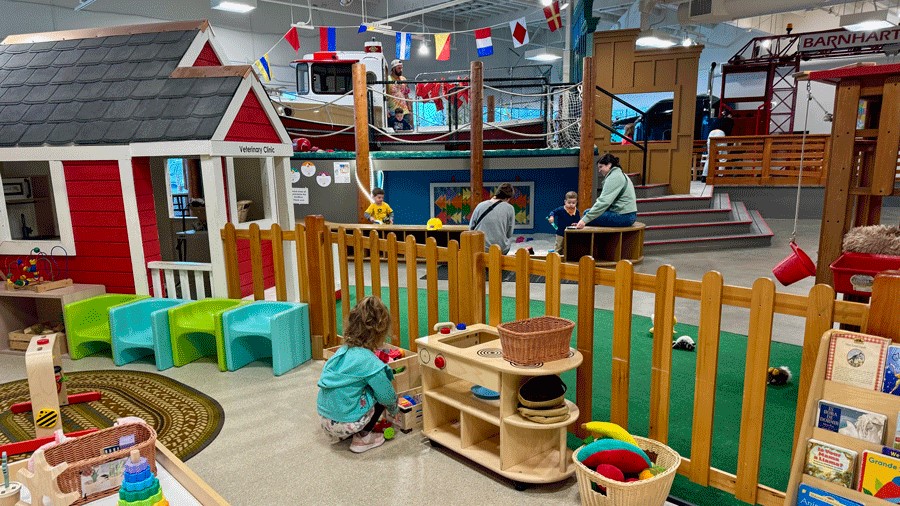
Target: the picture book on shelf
(891, 383)
(853, 422)
(812, 496)
(830, 463)
(857, 359)
(880, 476)
(890, 452)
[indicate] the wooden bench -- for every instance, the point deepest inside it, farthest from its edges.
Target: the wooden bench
(607, 245)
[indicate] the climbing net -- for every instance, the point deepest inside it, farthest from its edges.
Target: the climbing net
(559, 104)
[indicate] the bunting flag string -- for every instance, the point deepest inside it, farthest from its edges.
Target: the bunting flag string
(554, 19)
(404, 45)
(483, 42)
(442, 46)
(327, 38)
(293, 38)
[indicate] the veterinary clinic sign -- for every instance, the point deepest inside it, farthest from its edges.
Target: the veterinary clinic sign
(842, 39)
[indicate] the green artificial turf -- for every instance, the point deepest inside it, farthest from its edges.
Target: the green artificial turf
(780, 402)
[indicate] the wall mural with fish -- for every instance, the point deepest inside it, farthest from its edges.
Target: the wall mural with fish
(450, 202)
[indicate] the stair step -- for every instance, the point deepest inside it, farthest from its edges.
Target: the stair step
(651, 190)
(760, 235)
(691, 230)
(720, 211)
(676, 202)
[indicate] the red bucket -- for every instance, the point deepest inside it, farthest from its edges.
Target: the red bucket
(794, 267)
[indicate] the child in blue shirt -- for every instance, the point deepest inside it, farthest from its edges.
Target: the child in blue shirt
(355, 387)
(562, 217)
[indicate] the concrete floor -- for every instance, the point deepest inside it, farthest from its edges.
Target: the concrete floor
(272, 452)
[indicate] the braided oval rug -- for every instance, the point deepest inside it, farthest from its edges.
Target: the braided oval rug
(186, 420)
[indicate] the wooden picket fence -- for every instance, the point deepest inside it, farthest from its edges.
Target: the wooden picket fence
(469, 266)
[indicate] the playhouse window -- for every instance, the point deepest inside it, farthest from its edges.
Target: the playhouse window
(184, 185)
(331, 79)
(34, 208)
(251, 190)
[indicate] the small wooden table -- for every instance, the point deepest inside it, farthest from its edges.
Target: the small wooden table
(23, 308)
(607, 245)
(491, 433)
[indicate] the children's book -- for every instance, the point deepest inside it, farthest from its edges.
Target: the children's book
(830, 463)
(857, 359)
(852, 422)
(812, 496)
(890, 452)
(880, 477)
(891, 383)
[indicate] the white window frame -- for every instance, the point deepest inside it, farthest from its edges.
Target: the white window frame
(269, 202)
(170, 198)
(9, 246)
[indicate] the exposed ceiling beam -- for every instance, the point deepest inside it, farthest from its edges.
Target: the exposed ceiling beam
(424, 10)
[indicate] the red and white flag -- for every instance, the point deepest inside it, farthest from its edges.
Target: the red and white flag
(554, 20)
(519, 31)
(293, 38)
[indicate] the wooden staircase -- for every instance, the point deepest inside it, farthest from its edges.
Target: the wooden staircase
(697, 222)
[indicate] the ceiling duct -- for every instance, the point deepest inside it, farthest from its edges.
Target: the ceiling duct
(719, 11)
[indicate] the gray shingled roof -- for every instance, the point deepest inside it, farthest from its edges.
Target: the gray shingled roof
(106, 90)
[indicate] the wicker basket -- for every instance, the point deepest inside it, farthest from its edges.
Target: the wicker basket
(243, 209)
(536, 340)
(652, 492)
(86, 452)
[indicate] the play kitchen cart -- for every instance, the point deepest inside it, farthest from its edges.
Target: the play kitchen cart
(491, 433)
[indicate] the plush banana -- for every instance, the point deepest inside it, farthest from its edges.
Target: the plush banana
(608, 430)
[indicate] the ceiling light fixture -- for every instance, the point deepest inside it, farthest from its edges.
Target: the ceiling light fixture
(544, 54)
(656, 40)
(869, 21)
(238, 6)
(687, 42)
(546, 3)
(564, 6)
(423, 49)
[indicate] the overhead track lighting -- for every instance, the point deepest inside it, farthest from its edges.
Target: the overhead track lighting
(544, 54)
(654, 39)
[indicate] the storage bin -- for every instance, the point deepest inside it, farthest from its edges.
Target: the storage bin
(854, 273)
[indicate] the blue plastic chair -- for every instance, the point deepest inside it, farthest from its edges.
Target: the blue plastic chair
(267, 329)
(134, 335)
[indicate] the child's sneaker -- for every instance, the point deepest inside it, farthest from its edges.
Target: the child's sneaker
(364, 443)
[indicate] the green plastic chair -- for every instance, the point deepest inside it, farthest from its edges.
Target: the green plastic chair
(196, 330)
(87, 323)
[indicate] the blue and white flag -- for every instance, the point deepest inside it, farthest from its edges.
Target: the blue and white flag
(404, 44)
(262, 65)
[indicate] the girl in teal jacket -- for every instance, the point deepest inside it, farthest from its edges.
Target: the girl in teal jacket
(355, 386)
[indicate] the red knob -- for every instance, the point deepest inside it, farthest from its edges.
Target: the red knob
(43, 340)
(445, 330)
(439, 362)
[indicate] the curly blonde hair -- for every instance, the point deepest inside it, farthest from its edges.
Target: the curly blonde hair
(368, 323)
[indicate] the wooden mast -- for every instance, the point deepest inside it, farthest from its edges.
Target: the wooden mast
(586, 152)
(476, 99)
(361, 128)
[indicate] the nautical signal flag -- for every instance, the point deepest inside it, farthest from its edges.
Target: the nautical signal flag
(362, 28)
(327, 38)
(483, 42)
(519, 31)
(404, 45)
(554, 20)
(293, 38)
(262, 65)
(442, 46)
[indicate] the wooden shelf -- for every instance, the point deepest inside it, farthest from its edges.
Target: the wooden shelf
(607, 245)
(518, 420)
(542, 468)
(486, 453)
(459, 395)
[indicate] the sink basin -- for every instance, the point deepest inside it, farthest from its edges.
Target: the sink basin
(467, 340)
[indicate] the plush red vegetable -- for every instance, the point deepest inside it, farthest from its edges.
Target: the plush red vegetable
(611, 472)
(627, 461)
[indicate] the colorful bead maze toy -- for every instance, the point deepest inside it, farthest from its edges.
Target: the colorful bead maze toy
(139, 486)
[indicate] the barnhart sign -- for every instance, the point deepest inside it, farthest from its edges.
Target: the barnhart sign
(842, 39)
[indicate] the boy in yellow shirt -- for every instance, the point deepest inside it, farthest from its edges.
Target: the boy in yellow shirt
(379, 211)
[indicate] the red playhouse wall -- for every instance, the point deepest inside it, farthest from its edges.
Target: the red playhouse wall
(251, 123)
(102, 255)
(143, 188)
(207, 57)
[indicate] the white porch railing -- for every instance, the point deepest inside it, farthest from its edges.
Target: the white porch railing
(191, 281)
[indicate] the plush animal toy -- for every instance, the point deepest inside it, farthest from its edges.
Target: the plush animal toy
(684, 343)
(778, 376)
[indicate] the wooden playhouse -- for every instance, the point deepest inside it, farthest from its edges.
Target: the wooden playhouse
(90, 123)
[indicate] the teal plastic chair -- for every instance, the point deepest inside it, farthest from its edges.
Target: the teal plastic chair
(133, 331)
(87, 323)
(196, 330)
(267, 329)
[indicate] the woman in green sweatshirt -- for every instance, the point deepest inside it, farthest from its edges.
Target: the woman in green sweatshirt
(616, 206)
